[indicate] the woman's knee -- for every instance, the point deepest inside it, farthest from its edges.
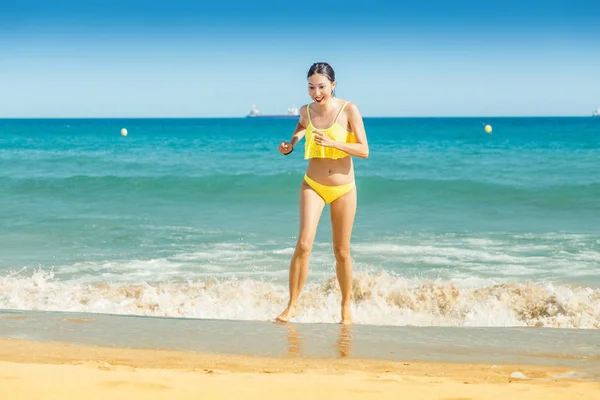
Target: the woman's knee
(303, 247)
(342, 253)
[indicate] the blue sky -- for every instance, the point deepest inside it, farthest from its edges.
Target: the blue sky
(183, 59)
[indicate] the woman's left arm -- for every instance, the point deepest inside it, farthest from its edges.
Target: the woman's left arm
(361, 147)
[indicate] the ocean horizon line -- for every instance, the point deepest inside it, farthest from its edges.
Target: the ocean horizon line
(292, 118)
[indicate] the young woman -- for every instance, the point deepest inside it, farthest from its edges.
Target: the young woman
(334, 132)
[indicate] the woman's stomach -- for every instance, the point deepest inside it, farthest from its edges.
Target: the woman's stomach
(331, 172)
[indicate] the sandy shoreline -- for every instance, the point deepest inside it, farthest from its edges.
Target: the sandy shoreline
(32, 370)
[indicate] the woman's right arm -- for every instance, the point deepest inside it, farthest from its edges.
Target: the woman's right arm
(299, 132)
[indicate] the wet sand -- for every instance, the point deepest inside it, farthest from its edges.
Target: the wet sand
(68, 356)
(33, 370)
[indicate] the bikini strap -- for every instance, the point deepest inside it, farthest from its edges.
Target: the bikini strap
(308, 112)
(341, 109)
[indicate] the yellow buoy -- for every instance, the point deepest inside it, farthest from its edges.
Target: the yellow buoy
(488, 128)
(123, 132)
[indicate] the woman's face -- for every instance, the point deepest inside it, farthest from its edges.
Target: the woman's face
(320, 89)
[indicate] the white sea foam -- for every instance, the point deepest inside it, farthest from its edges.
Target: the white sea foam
(379, 299)
(443, 280)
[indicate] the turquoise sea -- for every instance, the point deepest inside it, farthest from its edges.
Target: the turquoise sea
(197, 218)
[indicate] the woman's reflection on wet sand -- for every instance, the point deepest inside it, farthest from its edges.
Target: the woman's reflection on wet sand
(344, 342)
(342, 345)
(294, 341)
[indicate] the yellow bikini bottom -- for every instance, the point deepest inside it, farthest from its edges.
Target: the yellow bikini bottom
(329, 193)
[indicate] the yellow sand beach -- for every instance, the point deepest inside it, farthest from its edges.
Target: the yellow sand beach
(35, 370)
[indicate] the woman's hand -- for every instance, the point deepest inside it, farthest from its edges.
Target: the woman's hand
(323, 140)
(285, 148)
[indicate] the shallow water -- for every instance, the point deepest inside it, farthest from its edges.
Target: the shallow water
(572, 348)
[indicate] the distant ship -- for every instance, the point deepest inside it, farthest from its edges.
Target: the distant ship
(596, 113)
(292, 112)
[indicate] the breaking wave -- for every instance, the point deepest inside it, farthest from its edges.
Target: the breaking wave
(379, 299)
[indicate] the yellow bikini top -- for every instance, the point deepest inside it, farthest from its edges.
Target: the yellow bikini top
(335, 131)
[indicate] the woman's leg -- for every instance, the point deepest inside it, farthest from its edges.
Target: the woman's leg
(311, 207)
(343, 211)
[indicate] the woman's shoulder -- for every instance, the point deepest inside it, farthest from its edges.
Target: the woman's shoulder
(349, 106)
(304, 117)
(303, 111)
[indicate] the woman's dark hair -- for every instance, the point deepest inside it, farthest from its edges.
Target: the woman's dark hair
(322, 68)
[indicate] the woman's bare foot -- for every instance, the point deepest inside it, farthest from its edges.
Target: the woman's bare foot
(346, 316)
(289, 313)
